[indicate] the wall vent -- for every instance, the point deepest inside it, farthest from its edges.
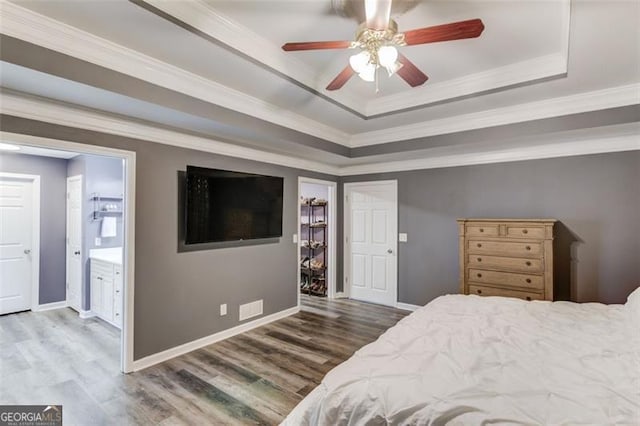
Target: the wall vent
(250, 310)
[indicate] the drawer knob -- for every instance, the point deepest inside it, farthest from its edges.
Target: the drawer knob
(479, 291)
(528, 280)
(529, 298)
(528, 263)
(524, 231)
(479, 245)
(479, 259)
(481, 230)
(528, 247)
(479, 275)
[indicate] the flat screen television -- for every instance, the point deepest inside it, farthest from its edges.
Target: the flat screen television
(222, 205)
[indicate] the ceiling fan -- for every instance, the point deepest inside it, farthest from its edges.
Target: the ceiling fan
(378, 39)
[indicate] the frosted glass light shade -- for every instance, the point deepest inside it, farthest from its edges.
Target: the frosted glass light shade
(359, 61)
(368, 73)
(387, 56)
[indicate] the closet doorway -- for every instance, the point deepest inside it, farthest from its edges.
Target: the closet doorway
(316, 238)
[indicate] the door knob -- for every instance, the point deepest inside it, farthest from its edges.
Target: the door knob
(27, 251)
(390, 251)
(76, 252)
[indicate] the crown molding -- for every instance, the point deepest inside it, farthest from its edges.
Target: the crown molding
(573, 104)
(56, 113)
(43, 31)
(205, 18)
(585, 146)
(622, 138)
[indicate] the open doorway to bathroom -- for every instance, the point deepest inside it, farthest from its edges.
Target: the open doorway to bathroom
(317, 234)
(65, 296)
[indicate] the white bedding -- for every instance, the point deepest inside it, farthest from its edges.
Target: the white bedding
(470, 360)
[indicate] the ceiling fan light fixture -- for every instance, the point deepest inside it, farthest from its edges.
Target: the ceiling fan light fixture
(393, 68)
(387, 56)
(360, 61)
(368, 73)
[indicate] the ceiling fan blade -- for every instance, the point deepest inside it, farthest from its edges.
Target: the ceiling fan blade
(410, 73)
(341, 79)
(378, 13)
(453, 31)
(316, 45)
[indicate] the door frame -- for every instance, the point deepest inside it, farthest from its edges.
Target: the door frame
(129, 157)
(35, 233)
(69, 178)
(332, 234)
(347, 189)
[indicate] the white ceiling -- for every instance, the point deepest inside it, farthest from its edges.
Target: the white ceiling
(536, 52)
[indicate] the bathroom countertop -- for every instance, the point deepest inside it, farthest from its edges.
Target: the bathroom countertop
(111, 255)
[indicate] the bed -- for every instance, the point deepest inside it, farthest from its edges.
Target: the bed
(470, 360)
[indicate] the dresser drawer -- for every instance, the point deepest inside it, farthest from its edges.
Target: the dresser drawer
(523, 231)
(507, 278)
(496, 291)
(505, 263)
(511, 248)
(480, 230)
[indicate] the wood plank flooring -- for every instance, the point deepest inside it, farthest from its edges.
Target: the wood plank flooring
(254, 378)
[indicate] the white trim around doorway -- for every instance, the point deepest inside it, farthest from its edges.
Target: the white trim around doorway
(35, 234)
(129, 157)
(333, 209)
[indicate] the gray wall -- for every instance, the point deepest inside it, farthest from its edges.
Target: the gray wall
(53, 187)
(104, 176)
(177, 294)
(596, 198)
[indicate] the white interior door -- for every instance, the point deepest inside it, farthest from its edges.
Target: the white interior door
(371, 229)
(16, 239)
(74, 242)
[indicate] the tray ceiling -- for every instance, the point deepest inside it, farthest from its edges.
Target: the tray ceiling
(535, 60)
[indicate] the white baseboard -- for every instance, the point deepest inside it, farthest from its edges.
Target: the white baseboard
(86, 314)
(341, 295)
(50, 306)
(166, 355)
(407, 306)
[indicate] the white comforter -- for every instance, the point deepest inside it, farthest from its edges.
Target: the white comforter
(469, 360)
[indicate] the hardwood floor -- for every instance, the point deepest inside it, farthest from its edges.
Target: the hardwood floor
(253, 378)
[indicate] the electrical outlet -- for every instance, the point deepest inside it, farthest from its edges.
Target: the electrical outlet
(402, 237)
(223, 309)
(295, 238)
(98, 242)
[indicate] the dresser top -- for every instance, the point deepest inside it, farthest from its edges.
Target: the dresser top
(497, 219)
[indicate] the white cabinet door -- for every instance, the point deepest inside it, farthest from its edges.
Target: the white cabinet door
(96, 294)
(107, 299)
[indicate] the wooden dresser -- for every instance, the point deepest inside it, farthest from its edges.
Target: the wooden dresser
(507, 257)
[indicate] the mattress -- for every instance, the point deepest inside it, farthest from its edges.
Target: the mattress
(469, 360)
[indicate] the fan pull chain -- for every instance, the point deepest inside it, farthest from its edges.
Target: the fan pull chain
(375, 79)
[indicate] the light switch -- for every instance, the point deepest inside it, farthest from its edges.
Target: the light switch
(98, 242)
(223, 309)
(295, 238)
(402, 237)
